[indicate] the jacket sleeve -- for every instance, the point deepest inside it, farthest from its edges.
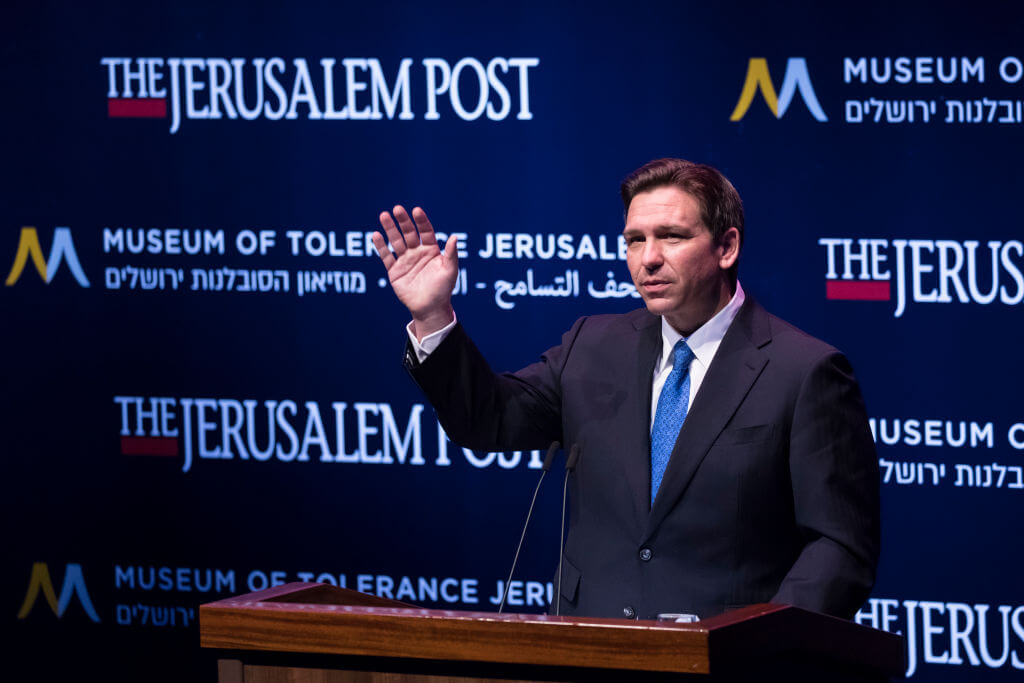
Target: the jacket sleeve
(483, 410)
(834, 473)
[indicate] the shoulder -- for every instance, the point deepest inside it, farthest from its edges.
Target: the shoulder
(605, 333)
(789, 337)
(786, 344)
(616, 323)
(802, 369)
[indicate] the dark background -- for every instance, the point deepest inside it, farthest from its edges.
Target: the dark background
(615, 86)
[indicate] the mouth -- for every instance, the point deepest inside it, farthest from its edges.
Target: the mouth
(654, 286)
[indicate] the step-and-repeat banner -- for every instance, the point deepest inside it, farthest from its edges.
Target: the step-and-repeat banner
(203, 392)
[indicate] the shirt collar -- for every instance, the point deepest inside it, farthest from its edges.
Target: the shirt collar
(706, 338)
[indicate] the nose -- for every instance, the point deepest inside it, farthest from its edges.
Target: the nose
(651, 258)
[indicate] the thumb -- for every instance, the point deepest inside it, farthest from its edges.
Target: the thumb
(451, 251)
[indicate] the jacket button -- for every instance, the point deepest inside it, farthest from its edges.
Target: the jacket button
(645, 554)
(628, 612)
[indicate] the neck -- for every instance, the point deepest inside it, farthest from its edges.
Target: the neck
(687, 326)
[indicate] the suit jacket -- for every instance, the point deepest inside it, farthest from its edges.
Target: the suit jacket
(771, 492)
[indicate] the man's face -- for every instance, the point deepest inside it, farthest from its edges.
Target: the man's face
(676, 266)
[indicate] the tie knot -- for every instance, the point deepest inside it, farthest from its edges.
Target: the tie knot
(682, 356)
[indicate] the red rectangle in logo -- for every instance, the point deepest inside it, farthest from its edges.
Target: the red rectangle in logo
(870, 290)
(138, 108)
(149, 445)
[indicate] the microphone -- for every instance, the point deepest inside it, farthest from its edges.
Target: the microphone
(548, 459)
(570, 465)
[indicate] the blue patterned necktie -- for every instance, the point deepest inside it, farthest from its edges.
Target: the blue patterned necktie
(668, 418)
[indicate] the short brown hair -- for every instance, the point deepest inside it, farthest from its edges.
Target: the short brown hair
(720, 205)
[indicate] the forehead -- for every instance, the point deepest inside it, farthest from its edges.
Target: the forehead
(661, 207)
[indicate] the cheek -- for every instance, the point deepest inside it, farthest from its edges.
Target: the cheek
(693, 274)
(700, 265)
(633, 262)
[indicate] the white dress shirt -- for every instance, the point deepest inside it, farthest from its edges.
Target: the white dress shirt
(703, 342)
(430, 342)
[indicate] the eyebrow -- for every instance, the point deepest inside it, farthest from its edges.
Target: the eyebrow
(663, 228)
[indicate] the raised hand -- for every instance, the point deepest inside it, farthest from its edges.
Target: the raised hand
(421, 275)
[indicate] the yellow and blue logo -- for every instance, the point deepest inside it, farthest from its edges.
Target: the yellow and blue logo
(796, 79)
(74, 584)
(62, 249)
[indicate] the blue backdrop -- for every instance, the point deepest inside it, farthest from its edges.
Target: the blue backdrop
(203, 391)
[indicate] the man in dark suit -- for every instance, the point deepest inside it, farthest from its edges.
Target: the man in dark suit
(726, 455)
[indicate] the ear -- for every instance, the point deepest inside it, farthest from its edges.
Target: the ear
(729, 249)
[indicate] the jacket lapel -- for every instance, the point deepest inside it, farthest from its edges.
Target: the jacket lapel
(637, 452)
(737, 364)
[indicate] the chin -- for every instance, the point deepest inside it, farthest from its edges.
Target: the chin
(658, 306)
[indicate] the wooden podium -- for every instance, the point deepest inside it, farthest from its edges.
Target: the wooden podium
(307, 632)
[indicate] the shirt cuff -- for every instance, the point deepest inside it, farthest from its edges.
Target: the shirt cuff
(430, 342)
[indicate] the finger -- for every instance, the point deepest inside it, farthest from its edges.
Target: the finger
(394, 236)
(382, 250)
(427, 235)
(451, 250)
(412, 239)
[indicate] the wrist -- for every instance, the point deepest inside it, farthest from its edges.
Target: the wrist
(432, 321)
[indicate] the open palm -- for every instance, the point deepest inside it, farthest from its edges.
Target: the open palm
(421, 275)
